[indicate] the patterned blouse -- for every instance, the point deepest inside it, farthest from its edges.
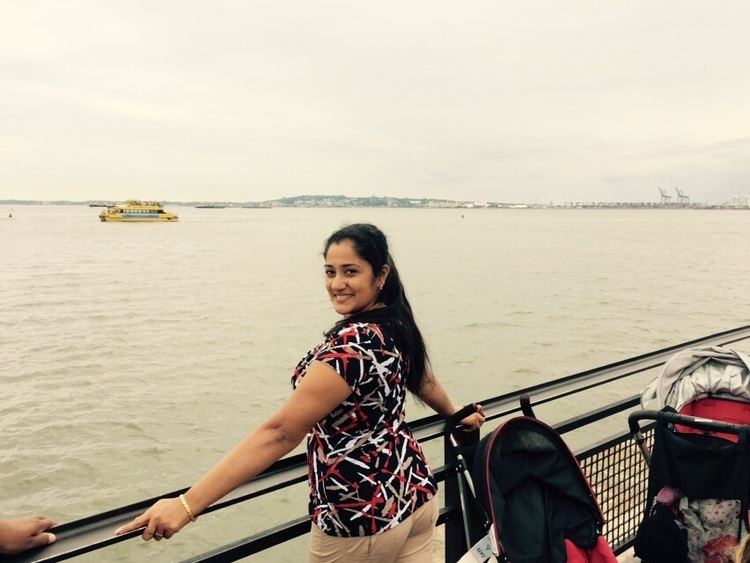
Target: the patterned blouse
(367, 473)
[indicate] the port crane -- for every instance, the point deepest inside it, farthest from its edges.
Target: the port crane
(681, 197)
(738, 197)
(665, 197)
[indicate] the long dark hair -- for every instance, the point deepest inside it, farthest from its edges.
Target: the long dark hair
(371, 245)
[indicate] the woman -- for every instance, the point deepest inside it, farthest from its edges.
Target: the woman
(372, 494)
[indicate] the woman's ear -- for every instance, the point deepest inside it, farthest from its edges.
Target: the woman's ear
(383, 276)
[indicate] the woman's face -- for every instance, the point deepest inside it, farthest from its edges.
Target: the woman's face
(350, 281)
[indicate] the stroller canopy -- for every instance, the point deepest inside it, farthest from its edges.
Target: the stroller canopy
(532, 487)
(697, 373)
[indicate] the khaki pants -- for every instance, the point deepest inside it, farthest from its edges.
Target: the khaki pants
(408, 542)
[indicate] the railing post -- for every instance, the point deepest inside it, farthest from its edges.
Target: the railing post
(455, 542)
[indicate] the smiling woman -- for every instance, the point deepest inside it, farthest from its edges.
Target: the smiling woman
(372, 492)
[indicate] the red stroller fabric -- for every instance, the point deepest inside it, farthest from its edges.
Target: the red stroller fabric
(600, 553)
(725, 410)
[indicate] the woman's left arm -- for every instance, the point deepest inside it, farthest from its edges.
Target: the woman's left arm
(320, 392)
(433, 393)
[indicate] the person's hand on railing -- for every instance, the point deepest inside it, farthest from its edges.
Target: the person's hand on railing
(20, 534)
(163, 520)
(473, 421)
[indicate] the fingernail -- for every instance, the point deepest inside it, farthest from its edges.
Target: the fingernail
(51, 538)
(117, 531)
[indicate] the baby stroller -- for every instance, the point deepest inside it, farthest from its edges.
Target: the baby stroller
(699, 466)
(535, 503)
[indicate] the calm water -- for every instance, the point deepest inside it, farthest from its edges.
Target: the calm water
(133, 355)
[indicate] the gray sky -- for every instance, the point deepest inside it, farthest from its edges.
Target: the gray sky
(483, 100)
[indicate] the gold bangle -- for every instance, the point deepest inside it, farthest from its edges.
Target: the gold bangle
(187, 508)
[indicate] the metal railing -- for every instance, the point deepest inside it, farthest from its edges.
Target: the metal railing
(613, 466)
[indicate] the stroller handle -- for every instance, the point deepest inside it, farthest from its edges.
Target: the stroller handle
(453, 420)
(684, 419)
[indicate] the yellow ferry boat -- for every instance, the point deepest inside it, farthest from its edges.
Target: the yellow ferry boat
(133, 211)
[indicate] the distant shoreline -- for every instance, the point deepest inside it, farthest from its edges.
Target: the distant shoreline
(397, 203)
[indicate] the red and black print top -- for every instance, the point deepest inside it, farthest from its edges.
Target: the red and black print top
(367, 473)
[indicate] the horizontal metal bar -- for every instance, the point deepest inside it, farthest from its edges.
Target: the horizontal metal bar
(509, 403)
(255, 543)
(607, 443)
(94, 532)
(597, 414)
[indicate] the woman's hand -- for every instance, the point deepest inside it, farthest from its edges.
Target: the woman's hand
(473, 421)
(163, 520)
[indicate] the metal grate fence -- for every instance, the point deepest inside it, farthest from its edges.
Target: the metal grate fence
(618, 474)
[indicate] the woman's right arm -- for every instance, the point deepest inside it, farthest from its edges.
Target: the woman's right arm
(320, 391)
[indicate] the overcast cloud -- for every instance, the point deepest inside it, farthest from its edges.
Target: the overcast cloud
(484, 100)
